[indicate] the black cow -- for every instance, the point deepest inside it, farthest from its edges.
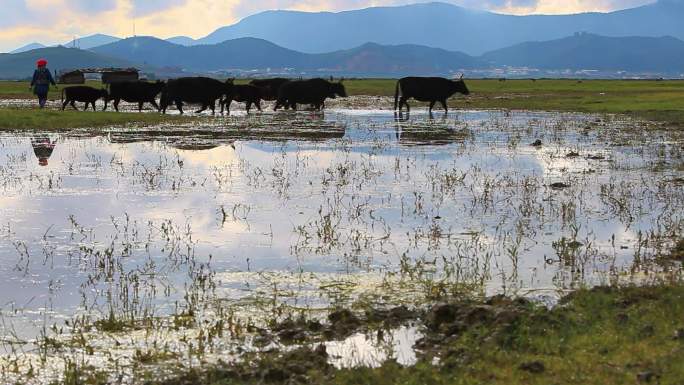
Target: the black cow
(89, 95)
(312, 91)
(427, 90)
(243, 93)
(199, 90)
(140, 92)
(269, 87)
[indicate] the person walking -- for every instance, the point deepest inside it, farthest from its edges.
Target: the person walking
(42, 78)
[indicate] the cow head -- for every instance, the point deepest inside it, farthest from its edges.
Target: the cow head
(337, 89)
(460, 86)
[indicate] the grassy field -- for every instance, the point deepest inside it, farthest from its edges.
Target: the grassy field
(653, 100)
(601, 336)
(20, 119)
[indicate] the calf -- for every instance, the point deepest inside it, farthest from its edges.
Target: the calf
(427, 90)
(199, 90)
(244, 93)
(89, 95)
(140, 92)
(312, 91)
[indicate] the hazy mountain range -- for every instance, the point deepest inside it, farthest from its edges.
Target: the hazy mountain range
(664, 55)
(445, 26)
(438, 25)
(421, 39)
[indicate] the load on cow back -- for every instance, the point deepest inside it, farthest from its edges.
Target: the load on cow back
(194, 90)
(427, 89)
(311, 91)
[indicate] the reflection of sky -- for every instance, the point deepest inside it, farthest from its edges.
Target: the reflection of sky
(275, 195)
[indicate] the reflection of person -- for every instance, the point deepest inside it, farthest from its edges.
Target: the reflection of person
(43, 148)
(42, 78)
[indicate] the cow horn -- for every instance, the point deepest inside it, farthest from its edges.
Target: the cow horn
(461, 78)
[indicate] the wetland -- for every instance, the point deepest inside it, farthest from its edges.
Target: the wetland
(350, 246)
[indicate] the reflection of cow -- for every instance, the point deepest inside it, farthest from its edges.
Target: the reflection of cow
(199, 90)
(269, 87)
(243, 93)
(427, 90)
(85, 94)
(312, 91)
(140, 92)
(43, 148)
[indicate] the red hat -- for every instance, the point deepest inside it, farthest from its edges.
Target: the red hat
(41, 62)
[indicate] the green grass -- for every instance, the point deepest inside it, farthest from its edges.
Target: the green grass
(598, 336)
(23, 119)
(651, 100)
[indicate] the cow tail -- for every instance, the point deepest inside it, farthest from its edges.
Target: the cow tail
(396, 95)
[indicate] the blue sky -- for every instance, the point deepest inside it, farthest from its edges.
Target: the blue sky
(58, 21)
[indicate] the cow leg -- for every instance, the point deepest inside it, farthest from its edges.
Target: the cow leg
(432, 104)
(179, 106)
(140, 105)
(204, 107)
(444, 104)
(213, 107)
(258, 104)
(93, 103)
(73, 105)
(116, 104)
(154, 104)
(65, 104)
(404, 101)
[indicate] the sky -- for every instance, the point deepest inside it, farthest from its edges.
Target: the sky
(59, 21)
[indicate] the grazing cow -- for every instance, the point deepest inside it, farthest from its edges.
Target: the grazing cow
(243, 93)
(89, 95)
(269, 87)
(312, 91)
(431, 90)
(140, 92)
(199, 90)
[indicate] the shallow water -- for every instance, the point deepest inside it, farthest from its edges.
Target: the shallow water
(138, 223)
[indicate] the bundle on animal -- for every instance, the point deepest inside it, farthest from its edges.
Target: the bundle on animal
(85, 94)
(427, 89)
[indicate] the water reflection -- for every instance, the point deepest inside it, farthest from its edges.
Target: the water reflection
(43, 148)
(136, 222)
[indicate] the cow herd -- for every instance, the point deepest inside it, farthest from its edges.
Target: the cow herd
(286, 93)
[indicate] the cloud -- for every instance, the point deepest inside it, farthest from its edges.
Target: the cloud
(146, 7)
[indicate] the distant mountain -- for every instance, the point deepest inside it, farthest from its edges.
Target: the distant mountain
(593, 52)
(372, 58)
(91, 41)
(181, 40)
(444, 26)
(28, 47)
(250, 53)
(21, 65)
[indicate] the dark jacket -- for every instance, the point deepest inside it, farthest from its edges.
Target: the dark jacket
(42, 77)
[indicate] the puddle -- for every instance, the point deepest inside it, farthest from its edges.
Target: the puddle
(240, 218)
